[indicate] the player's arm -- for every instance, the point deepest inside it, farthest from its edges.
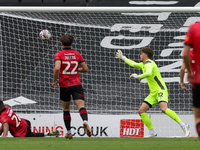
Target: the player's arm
(147, 73)
(1, 130)
(186, 59)
(56, 72)
(5, 129)
(182, 74)
(84, 67)
(128, 61)
(133, 63)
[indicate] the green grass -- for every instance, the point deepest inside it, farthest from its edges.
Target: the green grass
(100, 144)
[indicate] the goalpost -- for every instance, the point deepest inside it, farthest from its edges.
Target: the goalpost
(27, 62)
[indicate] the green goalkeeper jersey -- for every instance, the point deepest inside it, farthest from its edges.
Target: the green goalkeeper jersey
(151, 73)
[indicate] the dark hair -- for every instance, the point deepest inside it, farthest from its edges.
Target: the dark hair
(1, 104)
(147, 51)
(66, 40)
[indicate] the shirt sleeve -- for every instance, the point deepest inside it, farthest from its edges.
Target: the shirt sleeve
(133, 63)
(189, 38)
(4, 119)
(149, 68)
(80, 58)
(57, 56)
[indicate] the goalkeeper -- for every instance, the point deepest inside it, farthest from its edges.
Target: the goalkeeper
(158, 89)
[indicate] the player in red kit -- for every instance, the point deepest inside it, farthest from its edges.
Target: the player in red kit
(17, 126)
(192, 41)
(67, 64)
(183, 67)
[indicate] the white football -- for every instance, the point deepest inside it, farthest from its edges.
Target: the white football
(45, 35)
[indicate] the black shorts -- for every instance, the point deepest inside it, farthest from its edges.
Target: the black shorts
(75, 91)
(196, 95)
(28, 134)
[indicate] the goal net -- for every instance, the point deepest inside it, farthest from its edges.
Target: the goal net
(27, 62)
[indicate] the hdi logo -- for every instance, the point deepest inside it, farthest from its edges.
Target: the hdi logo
(131, 128)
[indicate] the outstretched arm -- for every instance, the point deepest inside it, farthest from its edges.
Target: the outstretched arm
(133, 63)
(146, 74)
(128, 61)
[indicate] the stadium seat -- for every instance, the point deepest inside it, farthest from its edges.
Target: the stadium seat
(31, 1)
(9, 1)
(44, 2)
(82, 1)
(52, 1)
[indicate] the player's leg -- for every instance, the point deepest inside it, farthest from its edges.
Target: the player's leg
(196, 106)
(67, 118)
(80, 104)
(163, 103)
(32, 134)
(83, 113)
(53, 133)
(148, 103)
(78, 96)
(164, 108)
(29, 133)
(145, 118)
(197, 119)
(65, 100)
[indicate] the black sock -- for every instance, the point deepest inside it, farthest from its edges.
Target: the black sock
(67, 119)
(198, 128)
(39, 134)
(33, 134)
(83, 113)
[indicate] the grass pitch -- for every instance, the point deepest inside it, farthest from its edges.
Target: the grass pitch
(61, 143)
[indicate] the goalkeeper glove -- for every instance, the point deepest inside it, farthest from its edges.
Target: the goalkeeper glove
(120, 55)
(135, 76)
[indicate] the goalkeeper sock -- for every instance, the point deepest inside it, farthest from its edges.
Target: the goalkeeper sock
(151, 131)
(146, 120)
(181, 123)
(172, 115)
(83, 114)
(198, 128)
(67, 119)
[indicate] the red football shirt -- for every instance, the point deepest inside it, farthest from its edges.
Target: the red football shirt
(17, 126)
(192, 39)
(192, 62)
(70, 60)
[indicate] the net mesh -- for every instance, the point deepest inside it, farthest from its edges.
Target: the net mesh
(27, 62)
